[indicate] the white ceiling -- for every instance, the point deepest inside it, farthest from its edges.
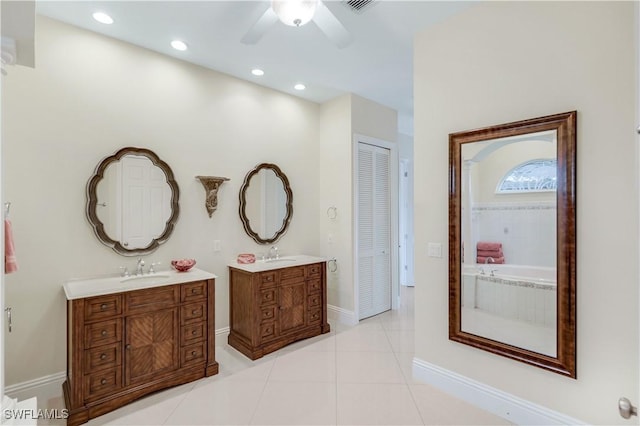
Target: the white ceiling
(377, 65)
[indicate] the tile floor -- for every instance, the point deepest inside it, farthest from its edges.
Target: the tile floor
(351, 376)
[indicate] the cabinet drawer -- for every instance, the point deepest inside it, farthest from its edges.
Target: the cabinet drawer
(267, 296)
(314, 271)
(103, 382)
(108, 356)
(192, 313)
(267, 279)
(151, 299)
(193, 291)
(314, 286)
(268, 313)
(295, 273)
(102, 307)
(102, 333)
(192, 354)
(315, 316)
(314, 300)
(192, 333)
(267, 330)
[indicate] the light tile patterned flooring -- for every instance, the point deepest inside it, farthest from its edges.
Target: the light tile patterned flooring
(351, 376)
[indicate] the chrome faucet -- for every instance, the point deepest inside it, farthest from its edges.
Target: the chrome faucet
(489, 258)
(493, 271)
(273, 253)
(140, 267)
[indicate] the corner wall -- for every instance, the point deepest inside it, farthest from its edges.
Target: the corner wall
(499, 62)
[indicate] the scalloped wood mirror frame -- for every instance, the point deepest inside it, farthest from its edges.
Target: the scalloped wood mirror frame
(564, 361)
(92, 202)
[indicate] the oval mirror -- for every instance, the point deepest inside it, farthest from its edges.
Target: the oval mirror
(132, 201)
(266, 203)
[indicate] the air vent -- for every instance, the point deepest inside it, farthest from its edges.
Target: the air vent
(358, 6)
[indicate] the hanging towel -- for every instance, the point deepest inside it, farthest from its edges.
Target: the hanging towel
(10, 261)
(490, 253)
(484, 245)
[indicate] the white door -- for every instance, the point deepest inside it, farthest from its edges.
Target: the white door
(145, 201)
(374, 230)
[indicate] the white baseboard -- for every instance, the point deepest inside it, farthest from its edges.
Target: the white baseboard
(342, 315)
(223, 330)
(503, 404)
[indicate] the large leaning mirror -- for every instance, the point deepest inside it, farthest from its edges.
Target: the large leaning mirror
(266, 203)
(132, 201)
(512, 233)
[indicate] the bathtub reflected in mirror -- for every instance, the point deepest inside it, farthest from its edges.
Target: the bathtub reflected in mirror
(512, 240)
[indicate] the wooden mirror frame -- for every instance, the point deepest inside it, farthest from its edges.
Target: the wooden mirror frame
(92, 202)
(565, 125)
(246, 223)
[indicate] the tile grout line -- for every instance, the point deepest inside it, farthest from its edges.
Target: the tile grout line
(264, 387)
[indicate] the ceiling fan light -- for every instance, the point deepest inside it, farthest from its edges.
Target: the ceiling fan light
(294, 12)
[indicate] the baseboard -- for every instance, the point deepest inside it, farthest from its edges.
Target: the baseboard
(48, 387)
(516, 410)
(342, 315)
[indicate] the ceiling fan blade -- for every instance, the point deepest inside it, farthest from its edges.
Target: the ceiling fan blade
(260, 27)
(331, 27)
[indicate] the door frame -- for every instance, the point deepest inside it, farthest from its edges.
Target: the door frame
(393, 179)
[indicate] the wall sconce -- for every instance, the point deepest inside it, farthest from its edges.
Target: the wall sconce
(211, 185)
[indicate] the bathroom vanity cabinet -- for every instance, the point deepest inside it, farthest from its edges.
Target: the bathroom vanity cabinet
(271, 308)
(124, 345)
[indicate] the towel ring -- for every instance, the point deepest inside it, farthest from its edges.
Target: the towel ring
(333, 265)
(332, 212)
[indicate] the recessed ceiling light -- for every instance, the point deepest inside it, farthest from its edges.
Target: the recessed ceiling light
(299, 86)
(179, 45)
(257, 71)
(103, 18)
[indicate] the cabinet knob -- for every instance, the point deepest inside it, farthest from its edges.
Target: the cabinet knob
(193, 353)
(103, 306)
(127, 346)
(194, 332)
(194, 312)
(103, 356)
(103, 381)
(194, 291)
(104, 332)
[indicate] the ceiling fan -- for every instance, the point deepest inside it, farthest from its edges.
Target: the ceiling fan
(297, 13)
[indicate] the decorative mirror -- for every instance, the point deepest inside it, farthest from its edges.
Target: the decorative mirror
(266, 203)
(132, 201)
(512, 235)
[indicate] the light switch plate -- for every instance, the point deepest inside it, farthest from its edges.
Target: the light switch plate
(434, 250)
(216, 245)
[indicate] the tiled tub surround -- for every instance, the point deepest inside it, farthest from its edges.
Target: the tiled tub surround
(516, 305)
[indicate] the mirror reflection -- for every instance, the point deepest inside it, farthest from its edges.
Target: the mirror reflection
(512, 239)
(132, 201)
(509, 240)
(265, 203)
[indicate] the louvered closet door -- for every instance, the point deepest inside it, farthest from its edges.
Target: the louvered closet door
(374, 230)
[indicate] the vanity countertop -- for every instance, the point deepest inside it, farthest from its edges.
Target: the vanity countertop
(281, 262)
(81, 288)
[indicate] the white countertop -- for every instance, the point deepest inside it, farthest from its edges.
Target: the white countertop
(282, 262)
(81, 288)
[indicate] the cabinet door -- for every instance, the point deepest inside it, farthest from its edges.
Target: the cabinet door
(151, 345)
(292, 298)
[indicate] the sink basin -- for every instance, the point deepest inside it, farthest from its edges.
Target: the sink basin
(146, 279)
(280, 260)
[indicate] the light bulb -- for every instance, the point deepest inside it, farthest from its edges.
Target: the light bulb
(294, 12)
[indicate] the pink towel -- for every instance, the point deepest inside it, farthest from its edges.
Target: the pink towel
(10, 262)
(490, 253)
(484, 245)
(482, 259)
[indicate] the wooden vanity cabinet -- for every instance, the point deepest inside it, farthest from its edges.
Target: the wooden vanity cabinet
(271, 309)
(123, 346)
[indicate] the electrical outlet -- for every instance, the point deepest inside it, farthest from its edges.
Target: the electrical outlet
(216, 245)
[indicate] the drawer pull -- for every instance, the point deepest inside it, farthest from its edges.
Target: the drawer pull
(103, 356)
(103, 306)
(193, 353)
(195, 312)
(194, 332)
(194, 291)
(104, 332)
(128, 346)
(103, 381)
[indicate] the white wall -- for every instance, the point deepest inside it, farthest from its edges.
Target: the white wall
(90, 96)
(499, 62)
